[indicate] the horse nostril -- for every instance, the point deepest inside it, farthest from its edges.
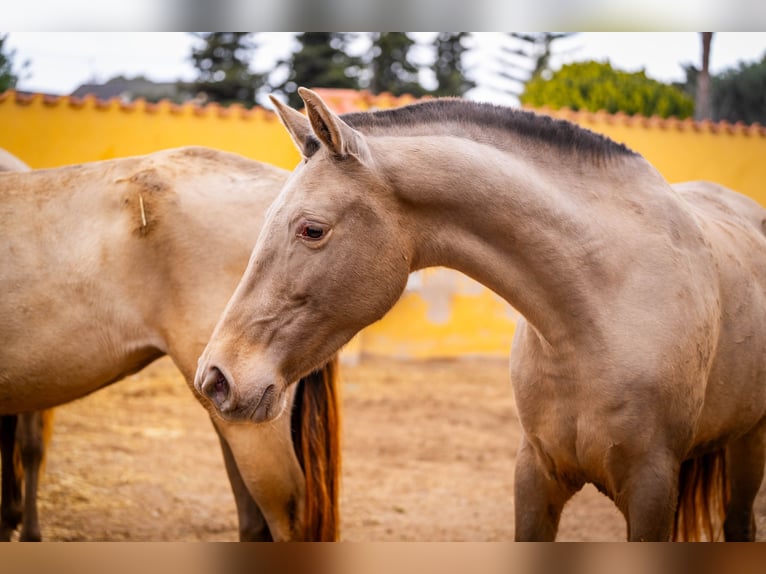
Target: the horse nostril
(216, 387)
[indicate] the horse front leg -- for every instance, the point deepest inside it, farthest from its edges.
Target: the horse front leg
(10, 497)
(270, 472)
(252, 524)
(647, 495)
(538, 498)
(745, 459)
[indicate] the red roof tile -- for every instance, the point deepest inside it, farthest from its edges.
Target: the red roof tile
(346, 100)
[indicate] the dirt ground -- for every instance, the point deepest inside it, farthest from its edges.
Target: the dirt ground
(428, 449)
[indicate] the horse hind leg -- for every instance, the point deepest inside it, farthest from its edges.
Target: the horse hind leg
(11, 505)
(745, 460)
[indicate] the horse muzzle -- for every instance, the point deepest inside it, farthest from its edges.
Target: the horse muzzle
(258, 402)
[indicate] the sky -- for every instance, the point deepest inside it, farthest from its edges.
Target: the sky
(62, 61)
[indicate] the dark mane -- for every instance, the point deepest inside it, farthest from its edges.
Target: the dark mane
(562, 134)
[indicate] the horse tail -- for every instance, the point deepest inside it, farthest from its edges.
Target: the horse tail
(47, 416)
(316, 437)
(18, 466)
(703, 496)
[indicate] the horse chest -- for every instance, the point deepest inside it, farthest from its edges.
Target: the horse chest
(558, 423)
(567, 417)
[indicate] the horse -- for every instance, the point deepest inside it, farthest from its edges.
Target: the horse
(637, 365)
(9, 162)
(110, 265)
(23, 440)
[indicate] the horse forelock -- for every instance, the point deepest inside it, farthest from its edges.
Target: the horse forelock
(458, 116)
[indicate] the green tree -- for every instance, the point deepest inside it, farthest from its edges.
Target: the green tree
(597, 86)
(391, 67)
(8, 76)
(448, 67)
(223, 64)
(321, 61)
(739, 94)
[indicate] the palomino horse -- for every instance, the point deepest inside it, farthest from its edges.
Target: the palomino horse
(22, 447)
(9, 162)
(639, 363)
(108, 266)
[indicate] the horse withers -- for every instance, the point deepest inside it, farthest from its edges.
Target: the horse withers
(638, 365)
(110, 265)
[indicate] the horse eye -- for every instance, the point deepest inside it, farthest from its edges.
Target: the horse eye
(311, 231)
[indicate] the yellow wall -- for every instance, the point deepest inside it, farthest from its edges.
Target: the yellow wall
(50, 132)
(442, 313)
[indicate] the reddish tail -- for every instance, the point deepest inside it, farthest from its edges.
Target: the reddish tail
(702, 499)
(316, 435)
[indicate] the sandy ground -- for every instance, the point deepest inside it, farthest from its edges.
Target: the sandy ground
(428, 449)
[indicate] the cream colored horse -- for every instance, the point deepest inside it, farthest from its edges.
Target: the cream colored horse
(639, 365)
(110, 265)
(9, 162)
(22, 446)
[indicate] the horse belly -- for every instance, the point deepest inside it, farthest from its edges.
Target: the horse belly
(52, 365)
(39, 391)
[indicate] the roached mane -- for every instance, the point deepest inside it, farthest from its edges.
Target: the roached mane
(562, 134)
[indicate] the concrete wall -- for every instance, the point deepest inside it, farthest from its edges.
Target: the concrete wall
(442, 313)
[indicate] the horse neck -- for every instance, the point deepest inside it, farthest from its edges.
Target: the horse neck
(529, 229)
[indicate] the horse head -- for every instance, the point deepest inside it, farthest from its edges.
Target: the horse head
(330, 259)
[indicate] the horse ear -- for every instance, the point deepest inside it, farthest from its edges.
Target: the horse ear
(340, 138)
(297, 125)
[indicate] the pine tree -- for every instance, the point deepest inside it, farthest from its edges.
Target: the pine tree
(528, 57)
(8, 76)
(448, 67)
(224, 71)
(321, 62)
(736, 94)
(739, 93)
(390, 66)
